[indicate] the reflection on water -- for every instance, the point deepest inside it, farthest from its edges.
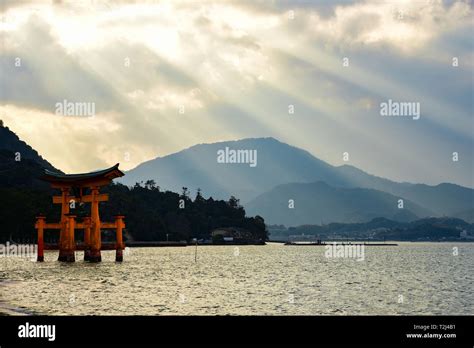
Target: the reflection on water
(413, 278)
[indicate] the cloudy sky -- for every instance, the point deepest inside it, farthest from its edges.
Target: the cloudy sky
(165, 75)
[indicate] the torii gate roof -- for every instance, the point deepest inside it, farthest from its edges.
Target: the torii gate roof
(97, 178)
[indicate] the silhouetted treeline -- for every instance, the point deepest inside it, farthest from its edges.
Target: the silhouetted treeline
(150, 214)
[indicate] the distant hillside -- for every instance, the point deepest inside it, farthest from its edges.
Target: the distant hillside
(11, 142)
(24, 173)
(467, 215)
(279, 163)
(430, 229)
(318, 202)
(442, 199)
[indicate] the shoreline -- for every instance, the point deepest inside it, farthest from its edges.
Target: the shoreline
(144, 244)
(7, 309)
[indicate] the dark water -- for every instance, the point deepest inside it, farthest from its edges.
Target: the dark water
(413, 278)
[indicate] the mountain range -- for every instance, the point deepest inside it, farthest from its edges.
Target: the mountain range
(321, 192)
(320, 203)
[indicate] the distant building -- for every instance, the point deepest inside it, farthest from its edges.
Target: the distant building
(235, 235)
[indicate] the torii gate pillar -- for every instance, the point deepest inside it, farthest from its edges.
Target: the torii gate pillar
(95, 240)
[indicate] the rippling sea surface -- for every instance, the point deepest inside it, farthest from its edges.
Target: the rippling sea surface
(413, 278)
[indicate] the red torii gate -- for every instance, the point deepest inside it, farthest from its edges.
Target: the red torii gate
(90, 224)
